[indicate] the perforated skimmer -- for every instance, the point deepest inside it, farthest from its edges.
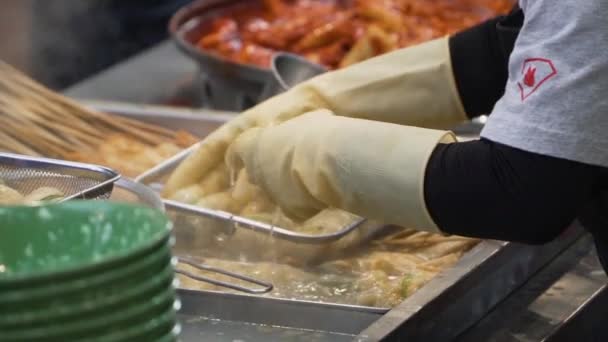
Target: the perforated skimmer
(75, 180)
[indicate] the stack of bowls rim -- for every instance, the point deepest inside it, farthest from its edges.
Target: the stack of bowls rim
(126, 294)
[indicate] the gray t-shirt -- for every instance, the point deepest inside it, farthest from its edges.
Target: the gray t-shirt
(556, 97)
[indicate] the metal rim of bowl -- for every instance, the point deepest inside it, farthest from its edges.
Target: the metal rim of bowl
(199, 9)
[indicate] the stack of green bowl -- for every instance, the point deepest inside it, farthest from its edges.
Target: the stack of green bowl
(86, 271)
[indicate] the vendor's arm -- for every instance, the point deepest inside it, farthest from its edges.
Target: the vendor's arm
(419, 86)
(440, 83)
(532, 173)
(480, 58)
(538, 163)
(489, 190)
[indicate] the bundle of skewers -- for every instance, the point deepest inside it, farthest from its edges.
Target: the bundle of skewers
(39, 122)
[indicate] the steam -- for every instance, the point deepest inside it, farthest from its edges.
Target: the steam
(72, 40)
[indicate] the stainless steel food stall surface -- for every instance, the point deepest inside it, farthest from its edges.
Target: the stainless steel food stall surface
(522, 294)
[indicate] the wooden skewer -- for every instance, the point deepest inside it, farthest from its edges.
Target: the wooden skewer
(37, 139)
(35, 120)
(8, 143)
(69, 103)
(80, 137)
(40, 131)
(52, 114)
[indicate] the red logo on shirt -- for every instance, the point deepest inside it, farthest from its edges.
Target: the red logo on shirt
(535, 72)
(530, 78)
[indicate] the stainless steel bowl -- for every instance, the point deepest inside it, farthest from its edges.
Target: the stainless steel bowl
(186, 27)
(225, 84)
(229, 85)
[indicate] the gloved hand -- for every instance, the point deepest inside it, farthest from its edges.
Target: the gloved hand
(413, 86)
(319, 160)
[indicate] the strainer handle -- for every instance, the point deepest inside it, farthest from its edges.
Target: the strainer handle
(264, 286)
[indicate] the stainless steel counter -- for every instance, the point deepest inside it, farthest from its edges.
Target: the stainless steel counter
(567, 297)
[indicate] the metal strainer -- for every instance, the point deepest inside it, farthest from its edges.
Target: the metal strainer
(84, 181)
(75, 180)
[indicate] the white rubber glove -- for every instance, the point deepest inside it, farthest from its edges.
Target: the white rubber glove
(413, 86)
(319, 160)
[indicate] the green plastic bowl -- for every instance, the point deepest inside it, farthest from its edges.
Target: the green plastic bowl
(146, 331)
(172, 335)
(68, 277)
(74, 238)
(95, 306)
(86, 329)
(77, 289)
